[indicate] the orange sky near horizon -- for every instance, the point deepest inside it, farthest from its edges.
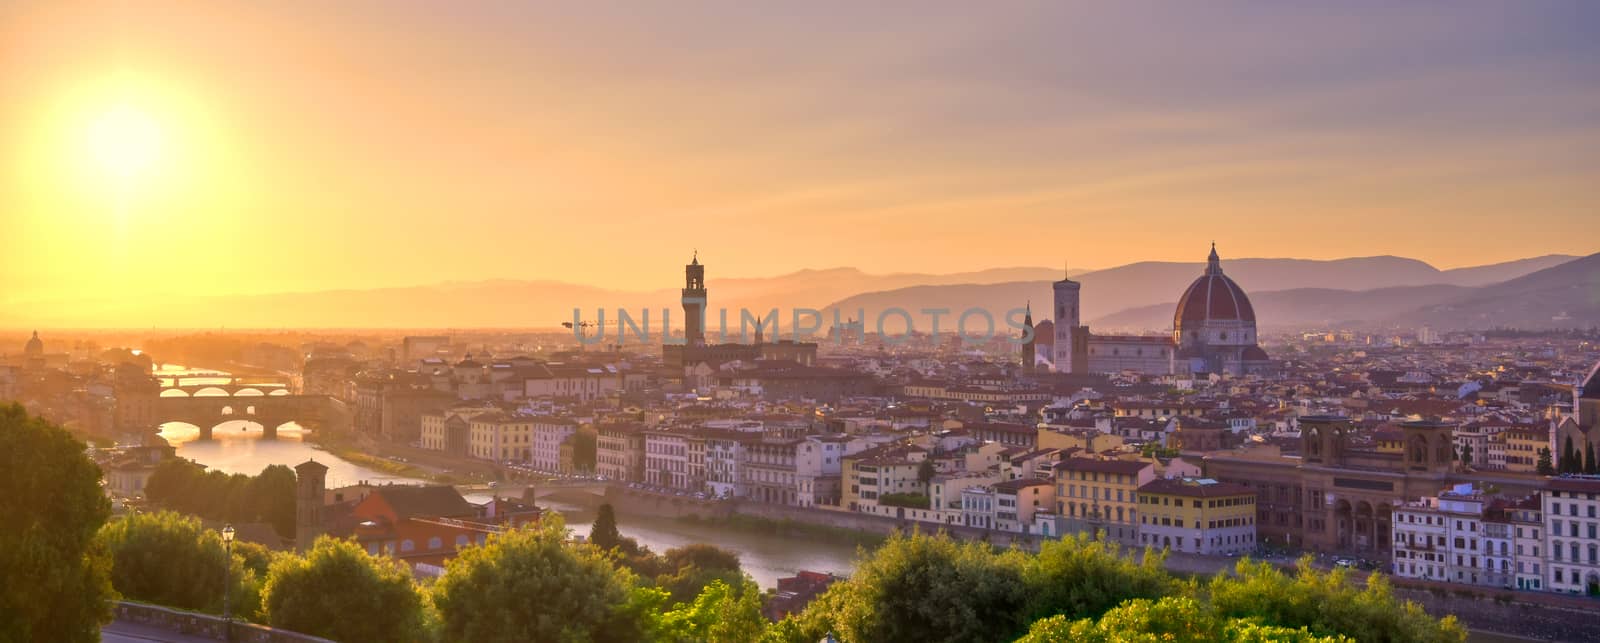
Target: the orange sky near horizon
(316, 146)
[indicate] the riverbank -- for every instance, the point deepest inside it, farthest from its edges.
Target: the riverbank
(350, 451)
(788, 528)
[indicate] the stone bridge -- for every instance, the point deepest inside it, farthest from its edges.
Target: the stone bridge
(315, 412)
(236, 388)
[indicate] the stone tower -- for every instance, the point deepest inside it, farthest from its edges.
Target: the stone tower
(1028, 345)
(694, 302)
(1323, 439)
(1071, 342)
(310, 482)
(1429, 445)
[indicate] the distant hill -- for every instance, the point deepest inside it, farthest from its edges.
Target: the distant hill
(1131, 297)
(1498, 272)
(1563, 296)
(1117, 298)
(1300, 308)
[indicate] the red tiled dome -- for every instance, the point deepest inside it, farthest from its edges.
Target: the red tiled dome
(1213, 296)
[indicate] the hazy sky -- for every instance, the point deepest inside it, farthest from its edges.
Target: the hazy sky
(312, 145)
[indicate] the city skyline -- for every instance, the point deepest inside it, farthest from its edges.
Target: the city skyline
(236, 149)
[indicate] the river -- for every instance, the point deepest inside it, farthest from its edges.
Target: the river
(237, 447)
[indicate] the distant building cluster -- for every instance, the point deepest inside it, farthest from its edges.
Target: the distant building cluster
(1440, 456)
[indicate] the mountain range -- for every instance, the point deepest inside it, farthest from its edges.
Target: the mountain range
(1552, 290)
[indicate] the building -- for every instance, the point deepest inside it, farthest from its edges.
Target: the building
(694, 350)
(1335, 496)
(1213, 331)
(1576, 437)
(889, 470)
(500, 436)
(1197, 516)
(819, 469)
(1214, 326)
(1572, 534)
(768, 471)
(549, 433)
(1455, 536)
(666, 459)
(619, 452)
(1101, 496)
(1527, 541)
(1017, 504)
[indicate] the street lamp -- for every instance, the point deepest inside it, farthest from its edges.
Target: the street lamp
(227, 570)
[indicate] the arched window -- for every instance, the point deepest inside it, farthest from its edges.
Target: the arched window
(407, 545)
(435, 542)
(462, 540)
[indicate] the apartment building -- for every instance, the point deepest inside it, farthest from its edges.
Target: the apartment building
(1572, 533)
(1197, 516)
(1097, 495)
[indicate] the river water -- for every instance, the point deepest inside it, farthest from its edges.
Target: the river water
(237, 447)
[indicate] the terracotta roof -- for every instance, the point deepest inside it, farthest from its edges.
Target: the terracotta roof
(1195, 488)
(428, 501)
(1124, 467)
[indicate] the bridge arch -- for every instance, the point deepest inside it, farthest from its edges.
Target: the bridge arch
(248, 392)
(211, 391)
(278, 392)
(174, 392)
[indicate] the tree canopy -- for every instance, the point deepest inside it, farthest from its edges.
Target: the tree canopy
(339, 591)
(268, 497)
(528, 584)
(170, 559)
(56, 583)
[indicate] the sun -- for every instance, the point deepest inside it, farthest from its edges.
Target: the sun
(124, 142)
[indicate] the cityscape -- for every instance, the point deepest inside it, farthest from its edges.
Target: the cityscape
(799, 323)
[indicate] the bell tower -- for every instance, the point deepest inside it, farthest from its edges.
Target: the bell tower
(694, 302)
(1429, 445)
(1069, 356)
(1323, 439)
(1027, 334)
(310, 482)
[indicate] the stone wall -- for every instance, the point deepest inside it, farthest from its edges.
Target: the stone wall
(1531, 615)
(205, 625)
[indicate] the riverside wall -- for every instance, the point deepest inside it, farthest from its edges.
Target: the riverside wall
(205, 625)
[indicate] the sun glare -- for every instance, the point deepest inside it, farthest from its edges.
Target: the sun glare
(125, 142)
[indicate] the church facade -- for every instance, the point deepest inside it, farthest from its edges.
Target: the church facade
(1213, 331)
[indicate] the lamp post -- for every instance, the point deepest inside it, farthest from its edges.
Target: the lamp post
(227, 570)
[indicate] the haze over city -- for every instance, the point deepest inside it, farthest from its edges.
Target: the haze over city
(799, 322)
(241, 148)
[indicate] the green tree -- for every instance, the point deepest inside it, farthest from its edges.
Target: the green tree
(170, 559)
(604, 533)
(1466, 455)
(254, 556)
(339, 591)
(689, 569)
(923, 588)
(1177, 619)
(270, 498)
(1569, 458)
(1546, 468)
(719, 614)
(1326, 603)
(584, 448)
(1081, 577)
(925, 471)
(56, 580)
(1589, 463)
(529, 584)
